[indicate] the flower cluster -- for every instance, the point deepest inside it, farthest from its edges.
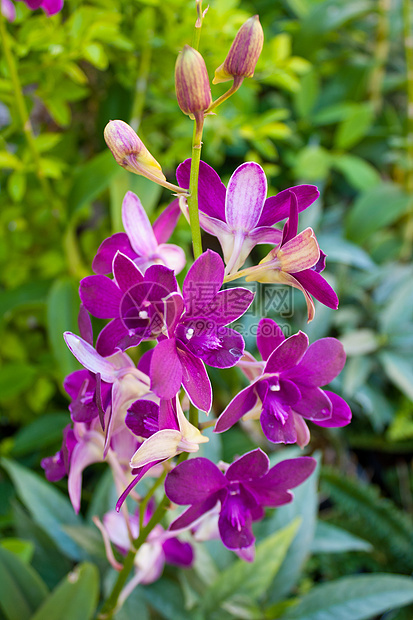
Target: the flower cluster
(132, 411)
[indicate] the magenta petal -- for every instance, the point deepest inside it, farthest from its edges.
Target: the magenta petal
(195, 379)
(211, 191)
(269, 337)
(141, 471)
(114, 337)
(265, 234)
(322, 362)
(314, 405)
(126, 273)
(227, 306)
(163, 277)
(166, 369)
(290, 473)
(291, 226)
(277, 208)
(85, 325)
(193, 481)
(341, 415)
(142, 418)
(238, 407)
(318, 287)
(51, 7)
(277, 422)
(235, 535)
(193, 513)
(178, 553)
(100, 296)
(252, 465)
(119, 242)
(246, 193)
(202, 282)
(164, 225)
(287, 354)
(167, 415)
(75, 380)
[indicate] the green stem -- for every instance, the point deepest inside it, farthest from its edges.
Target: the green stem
(147, 497)
(235, 86)
(22, 108)
(193, 186)
(193, 415)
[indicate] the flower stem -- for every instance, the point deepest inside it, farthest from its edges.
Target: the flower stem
(22, 108)
(235, 86)
(193, 185)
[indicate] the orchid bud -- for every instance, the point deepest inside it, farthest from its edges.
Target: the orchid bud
(244, 53)
(193, 91)
(129, 150)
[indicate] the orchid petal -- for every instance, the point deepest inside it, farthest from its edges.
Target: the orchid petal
(322, 362)
(164, 225)
(291, 226)
(114, 336)
(142, 471)
(126, 273)
(317, 286)
(246, 193)
(85, 324)
(287, 354)
(277, 208)
(119, 242)
(100, 296)
(85, 453)
(203, 281)
(252, 465)
(160, 446)
(195, 379)
(178, 553)
(194, 512)
(166, 369)
(269, 337)
(179, 483)
(137, 226)
(211, 191)
(301, 252)
(237, 408)
(89, 358)
(314, 405)
(302, 430)
(172, 256)
(341, 415)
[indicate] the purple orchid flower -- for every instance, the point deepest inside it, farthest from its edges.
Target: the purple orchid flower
(56, 467)
(89, 395)
(166, 433)
(241, 216)
(288, 386)
(139, 305)
(297, 261)
(143, 244)
(128, 382)
(200, 334)
(247, 486)
(50, 7)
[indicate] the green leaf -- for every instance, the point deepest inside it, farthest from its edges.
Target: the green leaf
(21, 588)
(62, 310)
(95, 54)
(342, 251)
(48, 506)
(24, 549)
(75, 598)
(306, 98)
(332, 539)
(88, 538)
(252, 579)
(29, 293)
(166, 597)
(354, 127)
(399, 370)
(40, 434)
(358, 172)
(376, 208)
(8, 160)
(312, 163)
(92, 179)
(354, 598)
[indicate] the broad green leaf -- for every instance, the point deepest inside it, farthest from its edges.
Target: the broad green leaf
(304, 507)
(354, 127)
(252, 579)
(92, 179)
(41, 433)
(312, 163)
(16, 185)
(24, 549)
(88, 538)
(354, 598)
(331, 14)
(21, 588)
(374, 209)
(306, 98)
(30, 293)
(360, 341)
(48, 506)
(75, 598)
(165, 596)
(62, 310)
(332, 539)
(358, 172)
(399, 370)
(8, 160)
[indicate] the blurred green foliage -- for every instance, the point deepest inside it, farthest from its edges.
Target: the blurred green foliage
(329, 104)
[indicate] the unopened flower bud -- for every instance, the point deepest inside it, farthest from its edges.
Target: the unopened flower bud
(193, 91)
(244, 53)
(129, 150)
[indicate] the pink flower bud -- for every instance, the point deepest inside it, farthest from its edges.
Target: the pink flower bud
(193, 91)
(244, 53)
(129, 150)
